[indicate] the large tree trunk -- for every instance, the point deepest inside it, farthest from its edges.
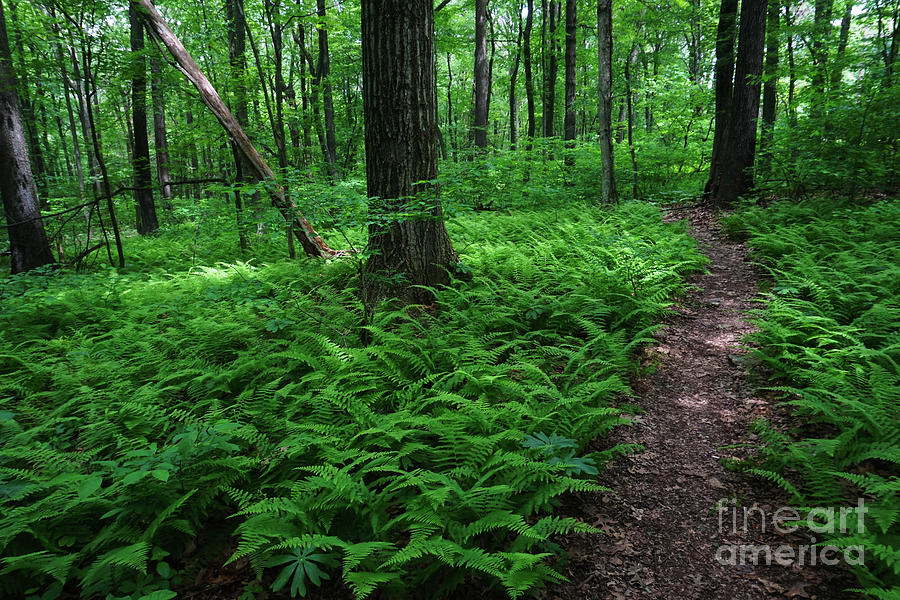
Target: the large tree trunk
(28, 243)
(312, 244)
(482, 85)
(740, 137)
(724, 84)
(529, 70)
(401, 152)
(27, 107)
(569, 129)
(159, 131)
(609, 194)
(770, 86)
(143, 177)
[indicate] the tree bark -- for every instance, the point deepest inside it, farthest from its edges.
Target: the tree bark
(513, 80)
(143, 178)
(770, 87)
(740, 137)
(312, 244)
(609, 195)
(28, 244)
(160, 138)
(529, 70)
(569, 126)
(792, 71)
(724, 84)
(482, 85)
(629, 104)
(819, 51)
(323, 73)
(27, 107)
(551, 62)
(400, 108)
(837, 71)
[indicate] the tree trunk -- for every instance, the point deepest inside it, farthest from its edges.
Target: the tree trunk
(552, 68)
(312, 244)
(819, 52)
(143, 178)
(740, 137)
(104, 189)
(770, 86)
(629, 104)
(481, 76)
(278, 87)
(724, 84)
(529, 70)
(159, 131)
(792, 71)
(28, 244)
(236, 26)
(837, 71)
(513, 80)
(569, 129)
(401, 152)
(26, 107)
(609, 194)
(323, 73)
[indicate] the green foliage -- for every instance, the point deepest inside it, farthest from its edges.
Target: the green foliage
(150, 421)
(830, 333)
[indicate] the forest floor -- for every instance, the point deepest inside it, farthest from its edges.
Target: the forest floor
(662, 531)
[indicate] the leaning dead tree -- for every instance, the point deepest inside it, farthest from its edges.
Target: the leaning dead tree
(312, 243)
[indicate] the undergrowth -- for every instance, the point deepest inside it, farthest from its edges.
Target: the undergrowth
(830, 336)
(153, 421)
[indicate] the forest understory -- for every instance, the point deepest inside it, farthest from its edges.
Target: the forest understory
(450, 299)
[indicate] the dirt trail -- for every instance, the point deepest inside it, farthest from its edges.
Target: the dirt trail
(662, 529)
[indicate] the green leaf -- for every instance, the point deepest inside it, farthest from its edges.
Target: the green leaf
(90, 485)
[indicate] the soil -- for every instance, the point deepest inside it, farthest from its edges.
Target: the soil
(662, 531)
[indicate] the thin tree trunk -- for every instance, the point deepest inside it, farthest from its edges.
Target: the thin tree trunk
(67, 88)
(770, 86)
(481, 76)
(740, 137)
(569, 127)
(837, 72)
(450, 120)
(513, 80)
(192, 150)
(401, 152)
(609, 195)
(323, 74)
(104, 189)
(143, 178)
(312, 244)
(529, 71)
(819, 52)
(552, 68)
(724, 84)
(629, 103)
(28, 244)
(792, 71)
(159, 131)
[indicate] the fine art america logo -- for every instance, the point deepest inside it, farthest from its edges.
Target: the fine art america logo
(829, 522)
